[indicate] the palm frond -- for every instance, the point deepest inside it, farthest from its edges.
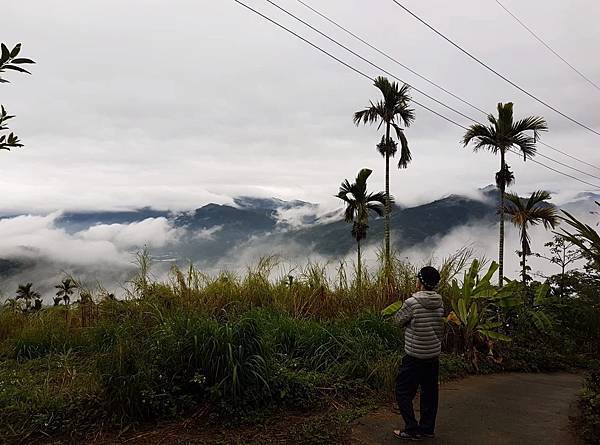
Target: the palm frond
(367, 116)
(405, 155)
(585, 237)
(537, 198)
(536, 124)
(484, 136)
(525, 144)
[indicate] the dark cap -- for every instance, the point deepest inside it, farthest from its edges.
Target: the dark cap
(429, 277)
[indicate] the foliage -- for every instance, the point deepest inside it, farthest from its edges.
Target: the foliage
(392, 111)
(504, 132)
(64, 292)
(28, 295)
(590, 408)
(240, 347)
(502, 135)
(359, 203)
(473, 321)
(9, 60)
(531, 212)
(584, 237)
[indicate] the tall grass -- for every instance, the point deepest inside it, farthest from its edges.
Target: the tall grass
(267, 337)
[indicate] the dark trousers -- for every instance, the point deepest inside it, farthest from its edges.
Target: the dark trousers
(417, 372)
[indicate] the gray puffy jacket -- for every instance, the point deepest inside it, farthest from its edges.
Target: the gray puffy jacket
(423, 316)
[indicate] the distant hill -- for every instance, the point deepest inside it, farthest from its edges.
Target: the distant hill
(214, 232)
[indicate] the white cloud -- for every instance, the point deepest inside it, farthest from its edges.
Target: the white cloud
(207, 234)
(103, 253)
(152, 232)
(223, 116)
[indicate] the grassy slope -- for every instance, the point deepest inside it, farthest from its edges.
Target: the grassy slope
(243, 351)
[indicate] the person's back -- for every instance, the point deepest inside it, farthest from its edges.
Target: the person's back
(423, 317)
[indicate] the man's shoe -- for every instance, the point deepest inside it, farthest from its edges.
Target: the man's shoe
(427, 435)
(407, 436)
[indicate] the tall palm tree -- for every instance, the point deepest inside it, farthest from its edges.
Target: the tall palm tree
(499, 137)
(65, 290)
(24, 292)
(358, 205)
(392, 111)
(530, 212)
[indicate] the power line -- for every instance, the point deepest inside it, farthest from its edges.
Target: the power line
(347, 31)
(568, 155)
(568, 166)
(352, 34)
(303, 39)
(331, 39)
(347, 65)
(356, 70)
(489, 68)
(596, 186)
(539, 39)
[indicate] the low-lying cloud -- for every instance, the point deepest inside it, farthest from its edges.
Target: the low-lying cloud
(103, 252)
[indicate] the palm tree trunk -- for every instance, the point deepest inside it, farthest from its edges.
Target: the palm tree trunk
(524, 255)
(501, 243)
(359, 278)
(387, 200)
(562, 271)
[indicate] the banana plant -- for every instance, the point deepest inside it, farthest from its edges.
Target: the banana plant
(473, 303)
(540, 319)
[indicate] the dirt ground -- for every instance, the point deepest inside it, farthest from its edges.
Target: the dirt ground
(499, 409)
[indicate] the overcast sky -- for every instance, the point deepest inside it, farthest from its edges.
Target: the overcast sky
(173, 104)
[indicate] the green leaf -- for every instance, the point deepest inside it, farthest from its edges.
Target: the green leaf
(542, 293)
(392, 308)
(462, 311)
(490, 325)
(473, 317)
(494, 335)
(491, 271)
(15, 50)
(5, 54)
(509, 301)
(16, 68)
(22, 60)
(542, 321)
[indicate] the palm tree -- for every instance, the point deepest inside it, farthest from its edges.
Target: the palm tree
(24, 292)
(358, 205)
(65, 290)
(392, 111)
(499, 137)
(531, 212)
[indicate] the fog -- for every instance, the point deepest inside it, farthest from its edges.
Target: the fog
(106, 253)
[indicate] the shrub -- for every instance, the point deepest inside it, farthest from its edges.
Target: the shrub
(590, 408)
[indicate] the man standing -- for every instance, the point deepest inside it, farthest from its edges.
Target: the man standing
(423, 316)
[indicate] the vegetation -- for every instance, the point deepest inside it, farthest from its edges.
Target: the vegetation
(237, 349)
(65, 289)
(28, 295)
(242, 347)
(585, 237)
(562, 253)
(358, 205)
(392, 111)
(10, 60)
(503, 135)
(523, 214)
(590, 409)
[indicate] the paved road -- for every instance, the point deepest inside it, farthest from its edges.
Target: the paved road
(499, 409)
